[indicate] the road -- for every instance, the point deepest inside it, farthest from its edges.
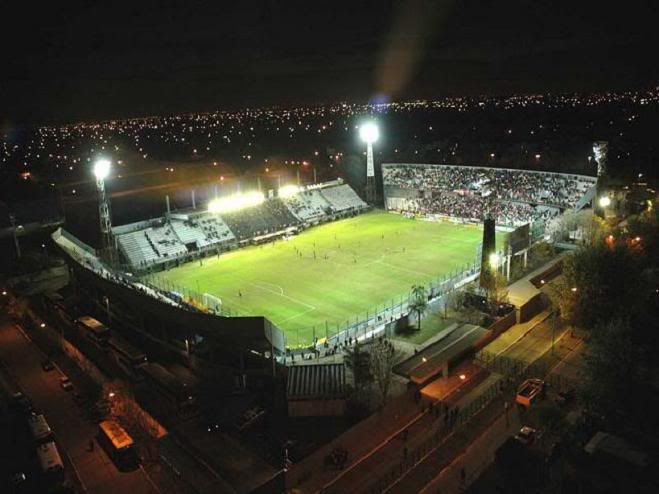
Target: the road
(72, 430)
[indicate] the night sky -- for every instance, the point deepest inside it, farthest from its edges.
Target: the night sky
(65, 61)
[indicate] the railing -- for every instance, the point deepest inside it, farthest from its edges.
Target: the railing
(447, 423)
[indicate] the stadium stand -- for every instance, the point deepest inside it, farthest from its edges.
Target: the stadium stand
(268, 217)
(165, 242)
(136, 248)
(308, 206)
(202, 230)
(513, 197)
(342, 198)
(184, 234)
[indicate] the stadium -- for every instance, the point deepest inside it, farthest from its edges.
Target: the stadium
(317, 262)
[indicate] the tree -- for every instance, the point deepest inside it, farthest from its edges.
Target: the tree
(599, 283)
(358, 361)
(497, 292)
(615, 378)
(382, 363)
(419, 302)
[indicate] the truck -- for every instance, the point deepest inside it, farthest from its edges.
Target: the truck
(530, 391)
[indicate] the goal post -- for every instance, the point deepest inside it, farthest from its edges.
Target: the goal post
(213, 303)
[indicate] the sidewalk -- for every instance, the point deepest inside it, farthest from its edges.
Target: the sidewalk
(311, 475)
(476, 457)
(448, 455)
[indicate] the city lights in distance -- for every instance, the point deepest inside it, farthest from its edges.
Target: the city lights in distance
(369, 132)
(235, 202)
(101, 168)
(288, 191)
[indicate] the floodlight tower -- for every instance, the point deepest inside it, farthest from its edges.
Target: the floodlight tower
(101, 171)
(369, 133)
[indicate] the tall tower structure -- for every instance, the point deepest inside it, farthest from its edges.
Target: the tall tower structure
(600, 150)
(488, 250)
(369, 133)
(101, 171)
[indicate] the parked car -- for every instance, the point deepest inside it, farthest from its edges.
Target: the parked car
(47, 365)
(66, 383)
(526, 435)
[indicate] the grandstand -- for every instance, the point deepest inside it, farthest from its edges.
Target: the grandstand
(181, 235)
(308, 206)
(268, 217)
(513, 197)
(342, 198)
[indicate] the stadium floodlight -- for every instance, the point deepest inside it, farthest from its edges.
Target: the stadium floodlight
(369, 132)
(101, 169)
(605, 201)
(494, 260)
(288, 191)
(235, 202)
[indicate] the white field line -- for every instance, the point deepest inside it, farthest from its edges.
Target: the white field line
(296, 316)
(292, 299)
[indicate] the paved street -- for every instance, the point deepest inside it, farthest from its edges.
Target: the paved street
(72, 430)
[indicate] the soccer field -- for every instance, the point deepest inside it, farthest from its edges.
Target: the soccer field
(334, 272)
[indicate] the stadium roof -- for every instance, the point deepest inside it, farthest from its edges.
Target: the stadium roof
(325, 381)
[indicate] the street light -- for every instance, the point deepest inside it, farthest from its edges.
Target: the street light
(494, 260)
(369, 133)
(605, 201)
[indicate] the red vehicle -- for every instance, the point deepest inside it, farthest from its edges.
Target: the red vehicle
(530, 391)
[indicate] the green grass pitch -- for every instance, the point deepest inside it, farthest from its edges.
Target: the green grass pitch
(345, 268)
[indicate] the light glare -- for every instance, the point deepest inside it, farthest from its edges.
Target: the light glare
(288, 191)
(101, 168)
(369, 132)
(605, 201)
(235, 202)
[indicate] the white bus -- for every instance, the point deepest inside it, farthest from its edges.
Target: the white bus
(39, 428)
(50, 461)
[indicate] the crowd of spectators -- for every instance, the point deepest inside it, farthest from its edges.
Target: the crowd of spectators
(533, 187)
(477, 208)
